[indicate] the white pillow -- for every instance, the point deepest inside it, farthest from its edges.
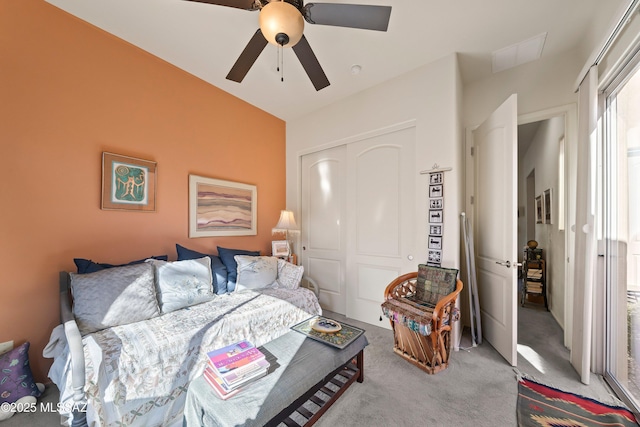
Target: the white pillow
(255, 272)
(105, 298)
(289, 275)
(183, 283)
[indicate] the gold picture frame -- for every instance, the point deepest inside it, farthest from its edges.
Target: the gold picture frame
(222, 208)
(128, 183)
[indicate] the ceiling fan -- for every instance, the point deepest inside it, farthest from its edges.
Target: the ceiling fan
(282, 24)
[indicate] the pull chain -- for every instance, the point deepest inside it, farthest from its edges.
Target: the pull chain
(280, 59)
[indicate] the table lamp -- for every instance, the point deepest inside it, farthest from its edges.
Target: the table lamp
(286, 224)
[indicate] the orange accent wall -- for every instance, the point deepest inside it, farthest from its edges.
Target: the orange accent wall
(68, 92)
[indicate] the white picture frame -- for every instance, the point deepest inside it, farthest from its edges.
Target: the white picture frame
(222, 208)
(280, 248)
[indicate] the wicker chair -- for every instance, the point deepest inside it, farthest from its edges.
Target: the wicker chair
(429, 352)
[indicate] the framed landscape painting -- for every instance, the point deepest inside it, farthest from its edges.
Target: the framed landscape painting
(221, 208)
(128, 183)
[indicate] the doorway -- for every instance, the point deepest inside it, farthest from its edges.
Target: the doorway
(541, 172)
(561, 123)
(541, 205)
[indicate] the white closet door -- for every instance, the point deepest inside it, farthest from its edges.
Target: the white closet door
(322, 221)
(380, 219)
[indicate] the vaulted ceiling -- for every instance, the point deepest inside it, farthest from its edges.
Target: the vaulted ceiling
(205, 40)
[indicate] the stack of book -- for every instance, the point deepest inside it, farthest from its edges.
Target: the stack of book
(234, 366)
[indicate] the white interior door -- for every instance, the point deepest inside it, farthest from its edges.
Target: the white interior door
(380, 219)
(322, 217)
(495, 154)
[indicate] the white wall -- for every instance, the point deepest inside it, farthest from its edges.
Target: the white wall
(540, 85)
(542, 156)
(431, 96)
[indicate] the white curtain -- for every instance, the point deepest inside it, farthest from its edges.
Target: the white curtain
(585, 239)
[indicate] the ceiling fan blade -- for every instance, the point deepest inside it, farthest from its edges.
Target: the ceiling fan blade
(348, 15)
(310, 64)
(248, 56)
(239, 4)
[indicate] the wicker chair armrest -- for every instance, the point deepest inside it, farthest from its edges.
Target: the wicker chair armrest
(401, 286)
(442, 307)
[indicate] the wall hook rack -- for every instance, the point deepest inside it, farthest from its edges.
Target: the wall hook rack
(435, 168)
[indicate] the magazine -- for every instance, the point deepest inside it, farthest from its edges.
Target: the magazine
(221, 389)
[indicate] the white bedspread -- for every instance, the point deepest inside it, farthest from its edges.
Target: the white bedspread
(138, 374)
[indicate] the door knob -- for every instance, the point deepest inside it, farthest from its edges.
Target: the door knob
(505, 263)
(410, 257)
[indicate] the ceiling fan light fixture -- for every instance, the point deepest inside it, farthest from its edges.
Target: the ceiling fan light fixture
(281, 23)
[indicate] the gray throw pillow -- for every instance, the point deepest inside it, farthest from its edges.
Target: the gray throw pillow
(183, 283)
(289, 275)
(105, 298)
(255, 272)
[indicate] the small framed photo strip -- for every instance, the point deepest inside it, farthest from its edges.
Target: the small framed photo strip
(280, 248)
(435, 191)
(435, 257)
(435, 230)
(436, 203)
(435, 216)
(435, 242)
(435, 178)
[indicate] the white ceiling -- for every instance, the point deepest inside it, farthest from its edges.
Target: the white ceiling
(205, 40)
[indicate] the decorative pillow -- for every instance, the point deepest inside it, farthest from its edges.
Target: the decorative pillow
(256, 272)
(87, 266)
(289, 275)
(226, 255)
(434, 283)
(217, 267)
(115, 296)
(183, 283)
(16, 379)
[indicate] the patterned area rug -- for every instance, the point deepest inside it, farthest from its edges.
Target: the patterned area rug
(541, 405)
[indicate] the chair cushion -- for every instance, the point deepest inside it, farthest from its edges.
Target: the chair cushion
(227, 256)
(183, 283)
(105, 298)
(434, 283)
(217, 267)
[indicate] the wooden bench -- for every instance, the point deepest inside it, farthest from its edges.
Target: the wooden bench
(305, 378)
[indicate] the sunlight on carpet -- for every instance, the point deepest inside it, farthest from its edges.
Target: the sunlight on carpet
(532, 357)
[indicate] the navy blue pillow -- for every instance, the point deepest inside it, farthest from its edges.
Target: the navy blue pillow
(217, 267)
(226, 255)
(87, 266)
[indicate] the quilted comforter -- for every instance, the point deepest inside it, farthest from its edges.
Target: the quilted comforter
(138, 374)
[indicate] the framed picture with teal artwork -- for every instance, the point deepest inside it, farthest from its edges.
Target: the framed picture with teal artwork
(128, 183)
